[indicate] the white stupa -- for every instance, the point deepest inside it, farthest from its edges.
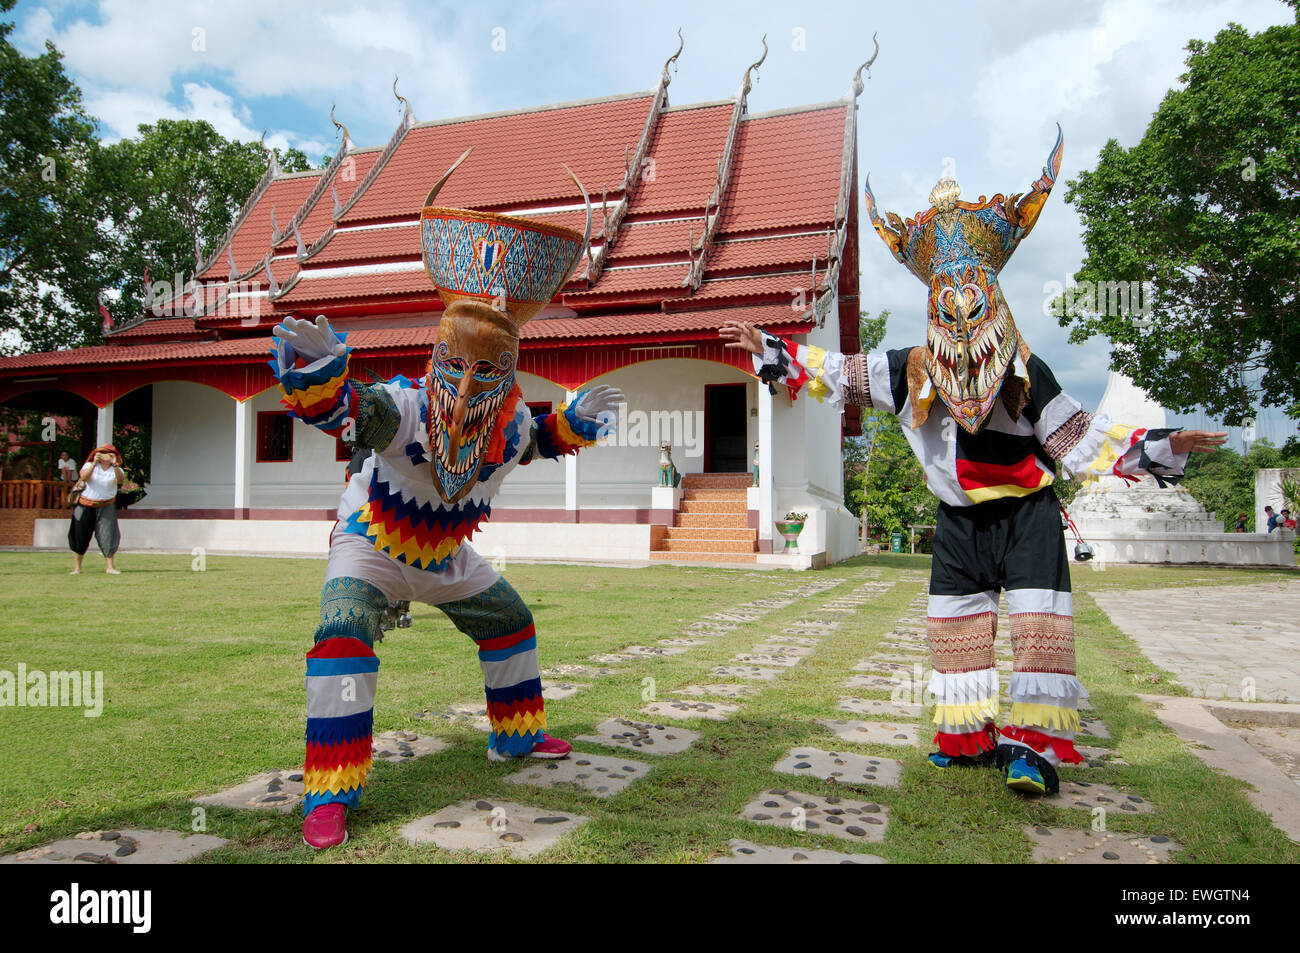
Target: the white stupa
(1143, 523)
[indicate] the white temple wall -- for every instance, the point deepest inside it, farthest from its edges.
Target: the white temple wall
(193, 448)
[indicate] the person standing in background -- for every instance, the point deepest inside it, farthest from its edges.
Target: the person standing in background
(96, 511)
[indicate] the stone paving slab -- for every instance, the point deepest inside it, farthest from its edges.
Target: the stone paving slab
(874, 665)
(1093, 726)
(812, 813)
(1089, 847)
(580, 671)
(744, 852)
(872, 732)
(1205, 727)
(399, 746)
(876, 706)
(765, 658)
(717, 690)
(1257, 625)
(271, 790)
(635, 652)
(775, 648)
(683, 643)
(125, 846)
(754, 672)
(648, 737)
(803, 640)
(1099, 757)
(811, 626)
(473, 712)
(841, 766)
(873, 683)
(1088, 795)
(555, 690)
(684, 710)
(709, 629)
(601, 775)
(518, 829)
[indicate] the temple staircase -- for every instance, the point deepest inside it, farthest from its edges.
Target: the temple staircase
(712, 524)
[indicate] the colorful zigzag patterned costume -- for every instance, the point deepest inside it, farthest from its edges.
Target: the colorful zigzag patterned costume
(397, 539)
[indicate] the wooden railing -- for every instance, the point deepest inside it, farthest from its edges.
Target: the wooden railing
(33, 494)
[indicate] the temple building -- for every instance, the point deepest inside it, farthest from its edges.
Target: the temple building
(702, 213)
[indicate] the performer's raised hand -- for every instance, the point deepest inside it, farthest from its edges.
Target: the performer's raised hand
(1197, 441)
(742, 335)
(601, 399)
(311, 340)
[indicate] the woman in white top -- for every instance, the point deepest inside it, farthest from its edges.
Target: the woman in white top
(96, 513)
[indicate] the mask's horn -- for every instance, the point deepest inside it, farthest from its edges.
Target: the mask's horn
(586, 234)
(1027, 209)
(446, 175)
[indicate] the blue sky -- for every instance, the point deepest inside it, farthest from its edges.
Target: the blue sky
(974, 88)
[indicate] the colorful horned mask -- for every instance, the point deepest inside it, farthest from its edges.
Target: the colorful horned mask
(493, 273)
(958, 249)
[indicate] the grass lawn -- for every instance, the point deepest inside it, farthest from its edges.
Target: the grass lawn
(203, 675)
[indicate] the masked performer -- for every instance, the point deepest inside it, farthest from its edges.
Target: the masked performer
(989, 445)
(442, 447)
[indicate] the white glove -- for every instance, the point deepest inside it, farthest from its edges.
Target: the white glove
(599, 404)
(315, 342)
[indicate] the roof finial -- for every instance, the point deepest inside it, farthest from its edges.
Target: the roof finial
(340, 126)
(271, 162)
(746, 85)
(857, 77)
(672, 59)
(406, 103)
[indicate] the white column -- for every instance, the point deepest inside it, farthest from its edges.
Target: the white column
(766, 481)
(243, 454)
(571, 474)
(104, 425)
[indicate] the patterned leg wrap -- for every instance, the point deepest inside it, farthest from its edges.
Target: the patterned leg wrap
(499, 621)
(1045, 692)
(961, 630)
(342, 671)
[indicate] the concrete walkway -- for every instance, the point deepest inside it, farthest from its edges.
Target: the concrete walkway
(1234, 642)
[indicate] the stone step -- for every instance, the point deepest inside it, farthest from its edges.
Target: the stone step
(718, 520)
(714, 506)
(716, 481)
(715, 494)
(709, 545)
(706, 557)
(711, 532)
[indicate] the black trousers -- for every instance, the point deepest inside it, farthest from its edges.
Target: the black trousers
(97, 521)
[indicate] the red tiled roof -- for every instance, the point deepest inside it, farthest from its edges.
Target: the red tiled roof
(686, 148)
(615, 280)
(636, 240)
(370, 244)
(750, 253)
(349, 175)
(517, 159)
(787, 171)
(380, 285)
(156, 327)
(252, 240)
(765, 285)
(653, 322)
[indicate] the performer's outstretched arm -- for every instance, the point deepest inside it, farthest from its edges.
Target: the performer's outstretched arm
(829, 376)
(590, 416)
(311, 364)
(1093, 445)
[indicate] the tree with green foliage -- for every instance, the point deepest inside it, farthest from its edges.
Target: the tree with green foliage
(51, 249)
(177, 180)
(1204, 209)
(78, 218)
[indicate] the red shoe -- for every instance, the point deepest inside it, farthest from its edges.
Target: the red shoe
(550, 748)
(326, 826)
